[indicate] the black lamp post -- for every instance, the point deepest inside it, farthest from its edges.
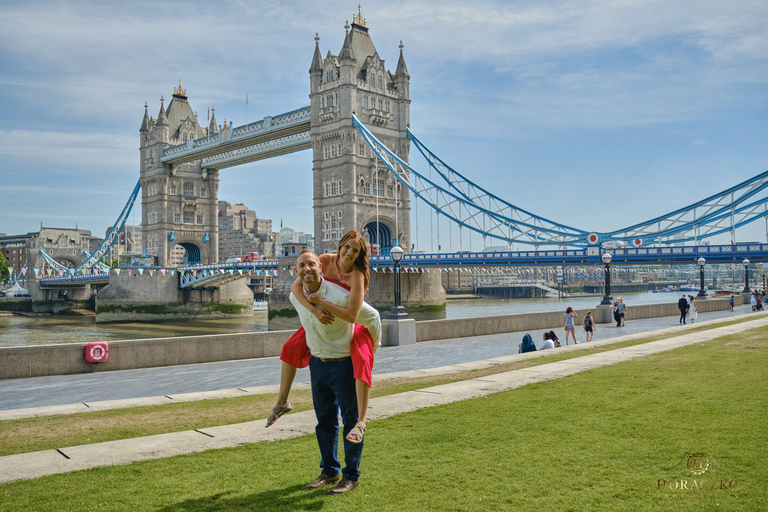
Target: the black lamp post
(746, 275)
(607, 299)
(701, 262)
(398, 311)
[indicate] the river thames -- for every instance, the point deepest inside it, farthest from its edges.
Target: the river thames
(46, 330)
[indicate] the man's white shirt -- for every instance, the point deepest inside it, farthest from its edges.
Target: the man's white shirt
(333, 340)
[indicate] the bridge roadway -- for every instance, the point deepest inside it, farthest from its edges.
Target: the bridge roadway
(224, 375)
(685, 254)
(195, 276)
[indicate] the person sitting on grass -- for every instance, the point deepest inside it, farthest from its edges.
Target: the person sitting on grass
(548, 343)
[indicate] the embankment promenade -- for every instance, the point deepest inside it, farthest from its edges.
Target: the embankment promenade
(69, 359)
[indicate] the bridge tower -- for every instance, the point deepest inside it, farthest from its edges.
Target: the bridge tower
(351, 188)
(178, 201)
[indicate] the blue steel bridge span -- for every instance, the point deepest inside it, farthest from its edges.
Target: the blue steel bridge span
(212, 276)
(456, 197)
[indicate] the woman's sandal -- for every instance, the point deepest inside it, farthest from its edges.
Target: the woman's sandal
(278, 411)
(354, 437)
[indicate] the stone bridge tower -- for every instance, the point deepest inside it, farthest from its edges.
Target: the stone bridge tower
(352, 189)
(179, 214)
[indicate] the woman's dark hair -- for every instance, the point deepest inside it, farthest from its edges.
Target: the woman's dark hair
(553, 336)
(546, 335)
(362, 259)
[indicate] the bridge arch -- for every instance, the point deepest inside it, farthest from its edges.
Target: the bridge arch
(193, 253)
(380, 234)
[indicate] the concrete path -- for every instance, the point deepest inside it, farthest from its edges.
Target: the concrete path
(170, 381)
(37, 464)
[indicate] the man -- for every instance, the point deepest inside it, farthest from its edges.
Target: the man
(682, 305)
(332, 378)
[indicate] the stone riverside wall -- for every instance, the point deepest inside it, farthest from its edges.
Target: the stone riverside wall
(144, 297)
(37, 361)
(430, 330)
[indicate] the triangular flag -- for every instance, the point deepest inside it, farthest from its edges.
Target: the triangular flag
(37, 270)
(151, 272)
(173, 272)
(117, 271)
(162, 271)
(130, 271)
(141, 271)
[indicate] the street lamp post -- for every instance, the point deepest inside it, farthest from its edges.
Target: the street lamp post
(398, 311)
(701, 262)
(607, 299)
(746, 275)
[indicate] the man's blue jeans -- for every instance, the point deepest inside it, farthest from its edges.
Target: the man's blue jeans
(333, 388)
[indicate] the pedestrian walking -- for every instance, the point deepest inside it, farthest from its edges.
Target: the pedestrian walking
(682, 305)
(589, 326)
(731, 302)
(622, 310)
(693, 312)
(568, 317)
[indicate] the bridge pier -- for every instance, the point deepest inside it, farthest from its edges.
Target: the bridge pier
(422, 295)
(143, 296)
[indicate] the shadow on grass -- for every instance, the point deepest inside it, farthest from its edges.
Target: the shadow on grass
(294, 497)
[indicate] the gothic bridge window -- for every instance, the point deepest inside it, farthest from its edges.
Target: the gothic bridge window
(332, 188)
(189, 189)
(189, 216)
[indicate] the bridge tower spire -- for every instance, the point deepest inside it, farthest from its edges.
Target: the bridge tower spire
(179, 202)
(351, 189)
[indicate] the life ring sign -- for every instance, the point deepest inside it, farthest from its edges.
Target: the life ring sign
(637, 242)
(592, 239)
(96, 351)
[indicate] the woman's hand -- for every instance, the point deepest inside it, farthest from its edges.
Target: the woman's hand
(323, 316)
(313, 298)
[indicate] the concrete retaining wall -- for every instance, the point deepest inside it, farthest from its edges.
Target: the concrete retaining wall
(46, 360)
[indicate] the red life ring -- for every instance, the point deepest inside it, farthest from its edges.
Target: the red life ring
(96, 351)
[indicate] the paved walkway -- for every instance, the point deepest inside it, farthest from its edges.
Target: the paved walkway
(48, 462)
(169, 381)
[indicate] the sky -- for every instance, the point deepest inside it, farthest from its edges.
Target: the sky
(595, 114)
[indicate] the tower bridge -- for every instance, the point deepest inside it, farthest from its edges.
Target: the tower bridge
(357, 127)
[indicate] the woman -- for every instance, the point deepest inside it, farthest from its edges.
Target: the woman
(554, 339)
(548, 343)
(348, 268)
(589, 326)
(693, 313)
(569, 327)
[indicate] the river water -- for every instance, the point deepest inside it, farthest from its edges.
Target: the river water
(46, 330)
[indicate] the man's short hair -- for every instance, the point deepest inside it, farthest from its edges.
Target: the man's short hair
(305, 250)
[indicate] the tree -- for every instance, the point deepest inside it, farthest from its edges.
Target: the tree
(5, 272)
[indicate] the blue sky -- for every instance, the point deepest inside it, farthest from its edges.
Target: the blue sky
(594, 114)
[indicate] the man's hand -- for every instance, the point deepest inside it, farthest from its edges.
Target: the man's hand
(313, 298)
(322, 315)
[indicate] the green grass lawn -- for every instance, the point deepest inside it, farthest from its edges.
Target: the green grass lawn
(598, 440)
